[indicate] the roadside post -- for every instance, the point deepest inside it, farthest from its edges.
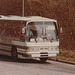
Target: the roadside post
(22, 7)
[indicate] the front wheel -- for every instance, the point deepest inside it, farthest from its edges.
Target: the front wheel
(43, 59)
(14, 53)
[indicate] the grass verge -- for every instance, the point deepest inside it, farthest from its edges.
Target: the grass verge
(66, 56)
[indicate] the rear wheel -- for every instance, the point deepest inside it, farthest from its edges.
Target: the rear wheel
(43, 59)
(14, 53)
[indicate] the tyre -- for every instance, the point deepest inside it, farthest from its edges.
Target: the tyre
(43, 59)
(14, 53)
(56, 59)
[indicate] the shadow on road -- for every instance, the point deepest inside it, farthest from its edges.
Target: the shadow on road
(9, 59)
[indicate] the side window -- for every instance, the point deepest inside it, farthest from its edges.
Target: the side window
(12, 30)
(6, 28)
(16, 29)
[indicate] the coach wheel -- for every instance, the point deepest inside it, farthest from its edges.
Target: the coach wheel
(14, 53)
(43, 59)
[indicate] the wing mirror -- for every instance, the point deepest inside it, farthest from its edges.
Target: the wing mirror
(61, 30)
(23, 30)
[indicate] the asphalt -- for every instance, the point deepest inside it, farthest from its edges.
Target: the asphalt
(34, 67)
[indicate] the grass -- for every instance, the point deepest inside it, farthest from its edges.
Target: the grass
(66, 55)
(66, 58)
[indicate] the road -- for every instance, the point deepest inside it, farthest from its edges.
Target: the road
(34, 67)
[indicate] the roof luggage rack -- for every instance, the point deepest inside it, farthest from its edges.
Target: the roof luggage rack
(13, 16)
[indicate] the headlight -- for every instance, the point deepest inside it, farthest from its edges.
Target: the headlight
(36, 49)
(53, 48)
(33, 49)
(43, 48)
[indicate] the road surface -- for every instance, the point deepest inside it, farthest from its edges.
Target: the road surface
(34, 67)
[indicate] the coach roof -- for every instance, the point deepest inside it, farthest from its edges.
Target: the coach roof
(29, 18)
